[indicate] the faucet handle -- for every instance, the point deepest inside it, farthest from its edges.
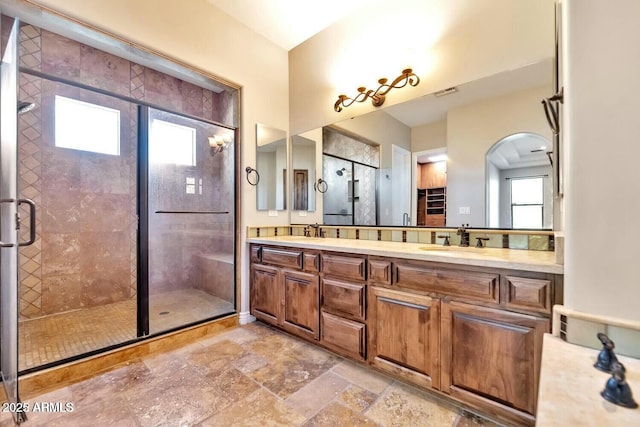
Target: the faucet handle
(479, 243)
(446, 240)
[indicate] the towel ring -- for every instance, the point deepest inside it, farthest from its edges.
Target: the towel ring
(248, 170)
(321, 186)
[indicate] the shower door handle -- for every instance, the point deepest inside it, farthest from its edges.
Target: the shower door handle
(32, 221)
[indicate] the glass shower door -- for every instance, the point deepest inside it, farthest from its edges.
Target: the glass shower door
(9, 220)
(190, 220)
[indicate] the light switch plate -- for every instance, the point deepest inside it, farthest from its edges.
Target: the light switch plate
(465, 210)
(302, 213)
(273, 213)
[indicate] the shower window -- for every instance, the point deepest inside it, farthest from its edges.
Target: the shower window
(172, 143)
(87, 127)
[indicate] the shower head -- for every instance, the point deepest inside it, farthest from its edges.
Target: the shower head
(24, 107)
(341, 172)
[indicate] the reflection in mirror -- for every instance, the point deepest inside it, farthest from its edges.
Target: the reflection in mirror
(303, 164)
(519, 182)
(464, 123)
(271, 163)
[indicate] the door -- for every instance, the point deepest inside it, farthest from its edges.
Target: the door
(492, 354)
(405, 335)
(9, 220)
(401, 187)
(265, 293)
(301, 303)
(188, 220)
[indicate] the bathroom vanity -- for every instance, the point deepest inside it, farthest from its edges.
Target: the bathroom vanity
(465, 322)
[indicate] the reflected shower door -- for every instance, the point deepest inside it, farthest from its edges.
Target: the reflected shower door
(190, 216)
(338, 199)
(365, 194)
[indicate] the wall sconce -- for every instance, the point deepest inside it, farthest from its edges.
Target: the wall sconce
(217, 144)
(378, 96)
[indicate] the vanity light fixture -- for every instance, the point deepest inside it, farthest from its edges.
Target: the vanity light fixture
(378, 96)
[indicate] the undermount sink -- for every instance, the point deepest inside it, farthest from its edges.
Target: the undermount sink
(435, 248)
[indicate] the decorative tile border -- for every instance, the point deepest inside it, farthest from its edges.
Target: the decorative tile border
(506, 239)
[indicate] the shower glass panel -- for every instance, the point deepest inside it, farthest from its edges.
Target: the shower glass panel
(77, 152)
(190, 220)
(351, 196)
(364, 195)
(337, 200)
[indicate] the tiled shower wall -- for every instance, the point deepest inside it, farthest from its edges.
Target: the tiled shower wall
(87, 202)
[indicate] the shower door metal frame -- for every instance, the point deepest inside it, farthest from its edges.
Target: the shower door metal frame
(10, 224)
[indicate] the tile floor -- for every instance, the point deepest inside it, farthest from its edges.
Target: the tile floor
(251, 375)
(59, 336)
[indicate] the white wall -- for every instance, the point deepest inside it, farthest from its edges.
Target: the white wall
(383, 129)
(447, 42)
(471, 131)
(602, 188)
(429, 136)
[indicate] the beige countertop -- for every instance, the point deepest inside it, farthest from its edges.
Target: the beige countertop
(569, 391)
(517, 259)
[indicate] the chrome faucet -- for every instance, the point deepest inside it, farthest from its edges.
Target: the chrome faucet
(405, 219)
(464, 235)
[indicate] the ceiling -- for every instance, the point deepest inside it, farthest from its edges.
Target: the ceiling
(287, 23)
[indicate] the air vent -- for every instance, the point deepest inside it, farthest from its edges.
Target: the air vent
(447, 91)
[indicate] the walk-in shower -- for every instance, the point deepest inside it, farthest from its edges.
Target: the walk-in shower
(136, 230)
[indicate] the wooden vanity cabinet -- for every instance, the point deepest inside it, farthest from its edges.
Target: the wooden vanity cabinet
(491, 358)
(473, 333)
(282, 294)
(343, 305)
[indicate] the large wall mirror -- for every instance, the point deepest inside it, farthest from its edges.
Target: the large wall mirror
(465, 123)
(303, 170)
(271, 164)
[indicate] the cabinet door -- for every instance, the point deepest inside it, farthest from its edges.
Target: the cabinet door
(301, 304)
(265, 293)
(492, 357)
(404, 335)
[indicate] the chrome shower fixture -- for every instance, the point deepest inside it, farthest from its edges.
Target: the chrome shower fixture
(341, 171)
(24, 107)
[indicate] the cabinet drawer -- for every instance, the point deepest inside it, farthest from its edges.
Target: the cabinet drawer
(469, 284)
(282, 257)
(344, 336)
(343, 299)
(311, 262)
(344, 267)
(527, 294)
(380, 271)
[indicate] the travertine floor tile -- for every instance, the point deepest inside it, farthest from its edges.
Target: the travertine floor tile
(401, 405)
(310, 398)
(364, 377)
(259, 409)
(357, 398)
(250, 376)
(335, 414)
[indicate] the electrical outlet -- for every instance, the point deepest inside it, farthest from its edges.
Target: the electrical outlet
(465, 210)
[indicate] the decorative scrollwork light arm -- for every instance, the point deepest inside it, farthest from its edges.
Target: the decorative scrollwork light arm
(378, 96)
